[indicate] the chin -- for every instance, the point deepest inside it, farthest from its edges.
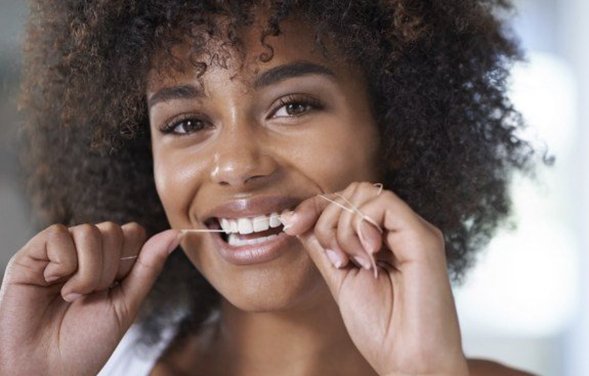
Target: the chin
(273, 289)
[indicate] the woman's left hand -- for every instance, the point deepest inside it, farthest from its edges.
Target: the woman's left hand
(404, 321)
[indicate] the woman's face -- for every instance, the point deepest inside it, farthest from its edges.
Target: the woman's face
(251, 139)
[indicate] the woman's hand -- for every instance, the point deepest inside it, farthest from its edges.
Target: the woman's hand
(70, 294)
(404, 321)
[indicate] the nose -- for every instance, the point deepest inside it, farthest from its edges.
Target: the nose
(241, 158)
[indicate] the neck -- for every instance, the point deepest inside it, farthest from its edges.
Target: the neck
(310, 340)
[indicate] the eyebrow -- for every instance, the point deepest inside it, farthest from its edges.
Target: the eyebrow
(175, 92)
(269, 77)
(292, 70)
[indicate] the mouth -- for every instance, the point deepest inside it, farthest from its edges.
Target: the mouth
(252, 232)
(247, 231)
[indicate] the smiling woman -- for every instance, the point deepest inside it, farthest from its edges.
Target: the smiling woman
(250, 135)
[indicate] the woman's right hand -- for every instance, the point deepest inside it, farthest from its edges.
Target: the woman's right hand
(70, 294)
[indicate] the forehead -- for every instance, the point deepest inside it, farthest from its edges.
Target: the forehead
(242, 60)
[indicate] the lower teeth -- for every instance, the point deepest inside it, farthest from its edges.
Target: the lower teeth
(236, 241)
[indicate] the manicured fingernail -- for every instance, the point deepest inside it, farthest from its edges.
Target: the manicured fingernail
(362, 262)
(335, 259)
(72, 297)
(51, 278)
(287, 219)
(369, 248)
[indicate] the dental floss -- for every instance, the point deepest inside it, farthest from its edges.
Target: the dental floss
(183, 231)
(352, 209)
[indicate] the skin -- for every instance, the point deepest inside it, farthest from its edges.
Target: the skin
(315, 313)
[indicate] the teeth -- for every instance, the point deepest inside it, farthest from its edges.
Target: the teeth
(261, 223)
(245, 226)
(275, 220)
(225, 225)
(236, 241)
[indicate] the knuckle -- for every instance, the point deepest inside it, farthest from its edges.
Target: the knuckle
(388, 195)
(438, 234)
(366, 186)
(87, 228)
(135, 229)
(108, 226)
(56, 231)
(351, 188)
(114, 230)
(323, 234)
(88, 232)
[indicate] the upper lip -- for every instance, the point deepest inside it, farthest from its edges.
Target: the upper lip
(251, 207)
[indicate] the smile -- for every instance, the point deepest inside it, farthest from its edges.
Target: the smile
(258, 229)
(249, 236)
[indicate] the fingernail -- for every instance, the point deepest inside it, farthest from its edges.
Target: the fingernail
(365, 243)
(287, 218)
(362, 262)
(71, 297)
(174, 245)
(335, 259)
(51, 278)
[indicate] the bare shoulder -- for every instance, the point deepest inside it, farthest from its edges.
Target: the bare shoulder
(482, 367)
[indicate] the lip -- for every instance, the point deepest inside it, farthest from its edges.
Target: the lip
(252, 207)
(253, 254)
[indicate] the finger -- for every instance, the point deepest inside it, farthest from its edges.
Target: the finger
(332, 275)
(134, 237)
(304, 216)
(47, 257)
(112, 241)
(60, 252)
(127, 297)
(326, 226)
(408, 236)
(88, 243)
(347, 234)
(329, 229)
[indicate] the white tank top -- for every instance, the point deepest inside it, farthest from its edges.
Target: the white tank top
(131, 358)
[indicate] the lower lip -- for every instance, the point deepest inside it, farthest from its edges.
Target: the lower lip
(255, 253)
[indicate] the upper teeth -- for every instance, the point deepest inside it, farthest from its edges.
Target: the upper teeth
(246, 226)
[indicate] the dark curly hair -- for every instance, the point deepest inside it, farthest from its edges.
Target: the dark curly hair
(437, 75)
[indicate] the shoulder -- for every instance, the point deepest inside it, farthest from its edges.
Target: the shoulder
(482, 367)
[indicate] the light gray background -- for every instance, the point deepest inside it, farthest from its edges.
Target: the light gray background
(558, 27)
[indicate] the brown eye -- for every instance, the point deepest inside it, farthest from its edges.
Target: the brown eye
(184, 126)
(294, 106)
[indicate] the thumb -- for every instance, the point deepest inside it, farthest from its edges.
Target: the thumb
(332, 275)
(150, 262)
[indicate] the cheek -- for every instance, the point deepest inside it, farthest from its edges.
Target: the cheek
(340, 155)
(176, 181)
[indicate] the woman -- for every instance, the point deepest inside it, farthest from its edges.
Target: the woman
(253, 135)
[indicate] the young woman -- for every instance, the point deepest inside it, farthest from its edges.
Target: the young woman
(300, 175)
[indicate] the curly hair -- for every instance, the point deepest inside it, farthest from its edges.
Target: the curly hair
(437, 74)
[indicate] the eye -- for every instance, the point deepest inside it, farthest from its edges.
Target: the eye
(295, 105)
(183, 125)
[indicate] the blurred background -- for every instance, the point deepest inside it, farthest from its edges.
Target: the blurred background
(527, 301)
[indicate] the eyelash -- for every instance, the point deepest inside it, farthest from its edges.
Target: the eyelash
(311, 104)
(170, 126)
